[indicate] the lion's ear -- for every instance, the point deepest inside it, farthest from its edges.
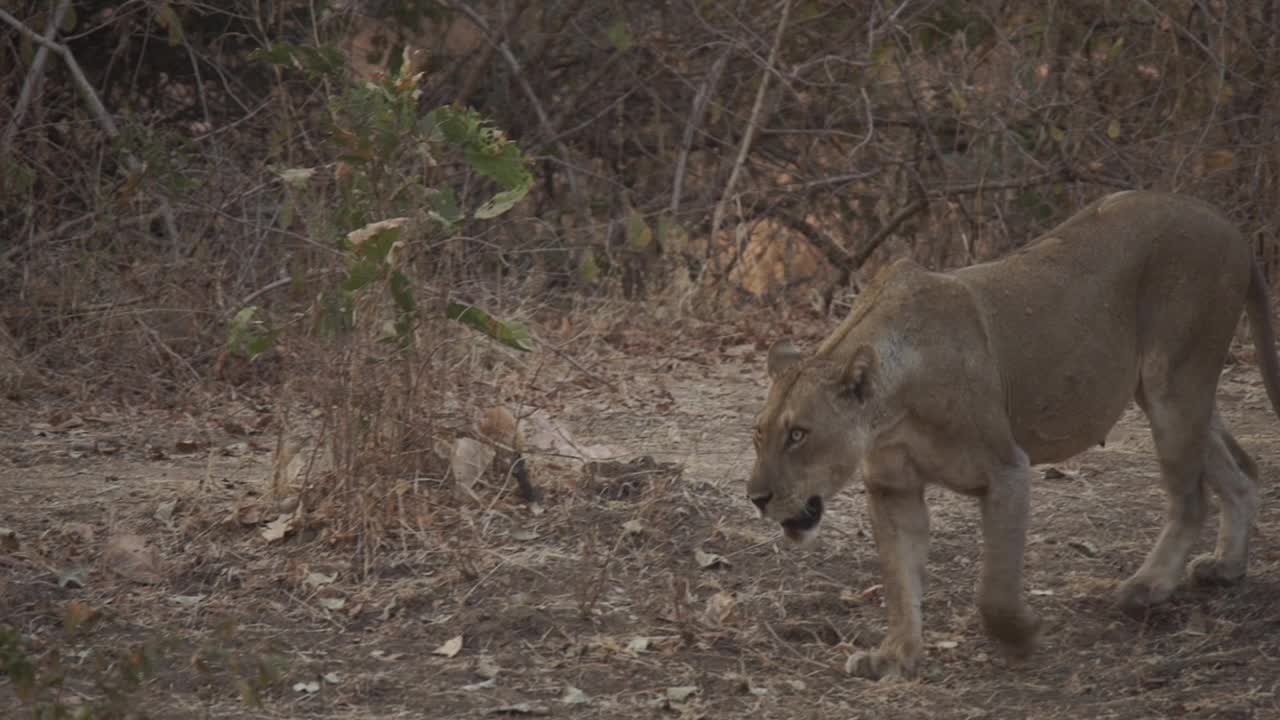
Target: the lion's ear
(859, 371)
(783, 355)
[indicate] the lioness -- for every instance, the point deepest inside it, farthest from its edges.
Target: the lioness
(968, 378)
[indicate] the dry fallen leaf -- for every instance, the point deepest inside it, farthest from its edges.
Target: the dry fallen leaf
(708, 560)
(469, 459)
(450, 648)
(317, 579)
(248, 512)
(333, 603)
(77, 615)
(164, 512)
(681, 693)
(356, 237)
(131, 557)
(277, 529)
(73, 577)
(719, 609)
(574, 696)
(498, 426)
(487, 668)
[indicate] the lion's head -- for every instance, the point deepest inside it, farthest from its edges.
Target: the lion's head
(812, 435)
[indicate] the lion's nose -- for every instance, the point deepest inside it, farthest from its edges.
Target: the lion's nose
(761, 501)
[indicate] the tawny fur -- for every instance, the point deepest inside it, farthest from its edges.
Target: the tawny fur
(966, 379)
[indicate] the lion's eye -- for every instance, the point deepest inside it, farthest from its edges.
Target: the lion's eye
(796, 436)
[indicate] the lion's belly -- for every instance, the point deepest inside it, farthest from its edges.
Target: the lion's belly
(1058, 413)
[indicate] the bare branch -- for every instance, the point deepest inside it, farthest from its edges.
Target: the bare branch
(700, 101)
(753, 120)
(539, 109)
(104, 119)
(34, 75)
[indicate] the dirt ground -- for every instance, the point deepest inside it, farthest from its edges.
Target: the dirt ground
(651, 594)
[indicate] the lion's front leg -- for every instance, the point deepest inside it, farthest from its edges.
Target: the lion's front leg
(900, 523)
(1006, 511)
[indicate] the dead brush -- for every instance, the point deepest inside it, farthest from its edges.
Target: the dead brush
(380, 414)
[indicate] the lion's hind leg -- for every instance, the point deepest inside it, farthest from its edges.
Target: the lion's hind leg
(1179, 406)
(1233, 476)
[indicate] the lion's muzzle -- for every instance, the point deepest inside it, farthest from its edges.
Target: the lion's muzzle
(801, 526)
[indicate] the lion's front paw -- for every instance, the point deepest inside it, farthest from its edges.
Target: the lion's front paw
(1018, 632)
(877, 664)
(1209, 570)
(1139, 594)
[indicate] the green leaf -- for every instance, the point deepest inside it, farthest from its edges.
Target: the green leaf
(639, 236)
(167, 18)
(336, 314)
(507, 332)
(374, 240)
(68, 20)
(507, 167)
(285, 218)
(402, 293)
(362, 273)
(323, 61)
(588, 269)
(26, 49)
(249, 336)
(444, 207)
(500, 203)
(484, 147)
(620, 36)
(672, 237)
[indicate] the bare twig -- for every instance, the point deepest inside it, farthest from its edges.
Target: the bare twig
(34, 75)
(580, 368)
(517, 72)
(700, 102)
(263, 291)
(884, 232)
(104, 119)
(748, 135)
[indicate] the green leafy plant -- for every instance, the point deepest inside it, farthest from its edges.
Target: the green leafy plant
(249, 335)
(390, 202)
(508, 332)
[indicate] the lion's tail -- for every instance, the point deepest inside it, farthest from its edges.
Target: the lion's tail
(1258, 306)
